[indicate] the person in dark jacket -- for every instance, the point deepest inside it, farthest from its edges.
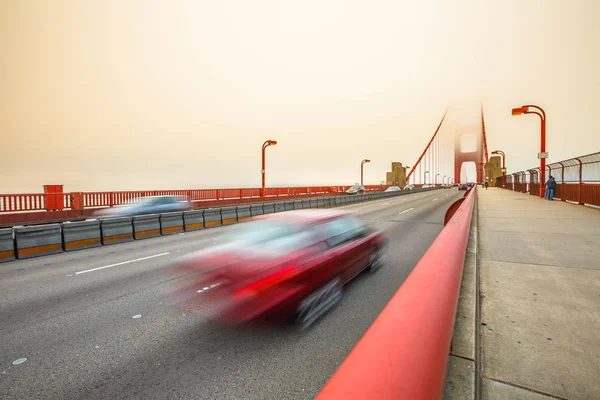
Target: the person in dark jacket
(550, 186)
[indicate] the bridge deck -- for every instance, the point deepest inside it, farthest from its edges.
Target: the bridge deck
(540, 299)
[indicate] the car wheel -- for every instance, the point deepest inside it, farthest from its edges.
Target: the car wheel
(378, 259)
(318, 303)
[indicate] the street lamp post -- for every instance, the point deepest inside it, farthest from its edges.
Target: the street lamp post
(361, 170)
(262, 171)
(425, 177)
(503, 166)
(444, 179)
(542, 156)
(436, 178)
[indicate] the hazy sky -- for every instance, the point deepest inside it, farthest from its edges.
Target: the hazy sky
(101, 95)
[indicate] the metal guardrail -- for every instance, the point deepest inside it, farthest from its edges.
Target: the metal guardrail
(37, 240)
(404, 354)
(577, 180)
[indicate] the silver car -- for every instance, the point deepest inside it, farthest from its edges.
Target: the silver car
(356, 189)
(147, 205)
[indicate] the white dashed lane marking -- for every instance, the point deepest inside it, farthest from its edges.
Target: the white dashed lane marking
(122, 263)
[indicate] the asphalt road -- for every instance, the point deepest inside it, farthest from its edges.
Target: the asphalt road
(73, 319)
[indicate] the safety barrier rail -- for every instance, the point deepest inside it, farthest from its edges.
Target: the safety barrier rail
(56, 200)
(577, 180)
(404, 354)
(37, 240)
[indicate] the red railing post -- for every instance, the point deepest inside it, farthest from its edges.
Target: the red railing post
(53, 197)
(562, 186)
(77, 201)
(580, 179)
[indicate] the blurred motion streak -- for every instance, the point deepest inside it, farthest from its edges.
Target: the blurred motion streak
(280, 267)
(148, 205)
(404, 354)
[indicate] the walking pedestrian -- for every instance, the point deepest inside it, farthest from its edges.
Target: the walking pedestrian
(486, 185)
(551, 186)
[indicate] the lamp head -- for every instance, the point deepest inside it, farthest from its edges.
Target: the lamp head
(519, 110)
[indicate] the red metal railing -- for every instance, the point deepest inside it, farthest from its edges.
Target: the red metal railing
(577, 180)
(404, 354)
(10, 203)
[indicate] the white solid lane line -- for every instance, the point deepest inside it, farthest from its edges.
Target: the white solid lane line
(405, 211)
(122, 263)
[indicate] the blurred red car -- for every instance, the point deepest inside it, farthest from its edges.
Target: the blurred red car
(282, 266)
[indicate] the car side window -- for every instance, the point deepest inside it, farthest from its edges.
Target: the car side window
(335, 232)
(358, 228)
(342, 230)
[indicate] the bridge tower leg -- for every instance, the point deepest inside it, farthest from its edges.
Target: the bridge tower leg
(461, 157)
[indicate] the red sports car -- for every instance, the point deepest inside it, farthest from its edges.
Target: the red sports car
(284, 265)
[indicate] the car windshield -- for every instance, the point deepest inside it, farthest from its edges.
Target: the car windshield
(355, 187)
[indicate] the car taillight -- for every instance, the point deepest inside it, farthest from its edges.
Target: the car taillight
(268, 282)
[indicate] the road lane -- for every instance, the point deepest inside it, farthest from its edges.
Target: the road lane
(81, 341)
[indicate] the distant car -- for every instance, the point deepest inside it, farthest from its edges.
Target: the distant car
(356, 189)
(425, 186)
(147, 205)
(285, 266)
(393, 189)
(409, 187)
(463, 186)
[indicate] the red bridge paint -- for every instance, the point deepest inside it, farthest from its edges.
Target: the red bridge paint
(404, 353)
(55, 200)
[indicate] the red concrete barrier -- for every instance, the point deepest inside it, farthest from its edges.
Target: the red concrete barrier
(404, 353)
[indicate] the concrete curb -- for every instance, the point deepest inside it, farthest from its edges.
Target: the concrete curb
(461, 372)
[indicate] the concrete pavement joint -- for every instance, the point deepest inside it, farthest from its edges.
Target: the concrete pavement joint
(463, 357)
(526, 389)
(543, 265)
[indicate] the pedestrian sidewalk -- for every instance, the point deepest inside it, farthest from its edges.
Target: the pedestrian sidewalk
(539, 266)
